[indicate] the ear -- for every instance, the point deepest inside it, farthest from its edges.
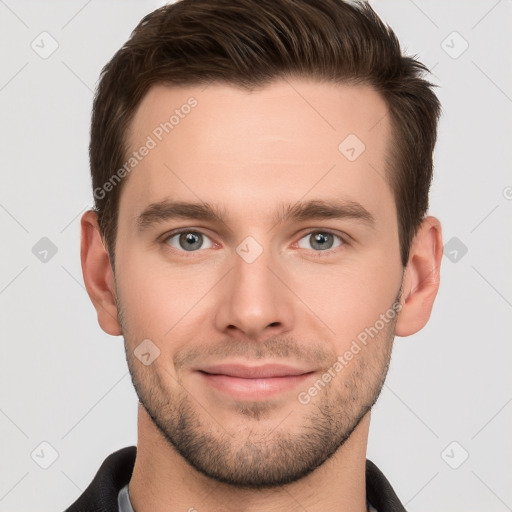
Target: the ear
(421, 279)
(97, 273)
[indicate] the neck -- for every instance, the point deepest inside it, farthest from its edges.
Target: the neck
(163, 481)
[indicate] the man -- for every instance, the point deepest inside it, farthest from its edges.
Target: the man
(261, 173)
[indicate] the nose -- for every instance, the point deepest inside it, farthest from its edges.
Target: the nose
(254, 302)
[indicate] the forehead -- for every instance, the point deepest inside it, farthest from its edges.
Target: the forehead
(227, 145)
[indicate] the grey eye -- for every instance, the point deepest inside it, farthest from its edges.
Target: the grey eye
(320, 241)
(188, 241)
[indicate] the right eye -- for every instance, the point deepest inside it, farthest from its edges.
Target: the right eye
(187, 240)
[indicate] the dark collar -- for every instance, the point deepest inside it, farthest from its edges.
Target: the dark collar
(379, 491)
(113, 475)
(116, 471)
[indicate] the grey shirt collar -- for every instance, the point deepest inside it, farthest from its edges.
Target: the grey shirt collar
(123, 500)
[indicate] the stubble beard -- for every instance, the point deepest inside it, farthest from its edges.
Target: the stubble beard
(252, 456)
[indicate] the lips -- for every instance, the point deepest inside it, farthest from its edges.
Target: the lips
(253, 383)
(265, 371)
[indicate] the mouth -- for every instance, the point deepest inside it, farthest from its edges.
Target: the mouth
(254, 382)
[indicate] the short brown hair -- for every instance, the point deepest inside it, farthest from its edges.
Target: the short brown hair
(250, 43)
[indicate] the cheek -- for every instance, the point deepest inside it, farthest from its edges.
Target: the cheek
(159, 299)
(351, 297)
(140, 293)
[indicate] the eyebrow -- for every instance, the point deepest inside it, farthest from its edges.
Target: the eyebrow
(324, 209)
(166, 210)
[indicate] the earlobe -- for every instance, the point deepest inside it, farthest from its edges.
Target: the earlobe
(97, 273)
(421, 280)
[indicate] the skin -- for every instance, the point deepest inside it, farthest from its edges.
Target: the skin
(249, 152)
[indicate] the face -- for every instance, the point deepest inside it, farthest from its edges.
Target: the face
(257, 255)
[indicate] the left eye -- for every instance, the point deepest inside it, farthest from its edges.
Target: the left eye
(320, 241)
(188, 241)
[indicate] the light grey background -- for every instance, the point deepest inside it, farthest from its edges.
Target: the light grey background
(65, 382)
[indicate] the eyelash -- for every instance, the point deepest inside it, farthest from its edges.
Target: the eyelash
(192, 254)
